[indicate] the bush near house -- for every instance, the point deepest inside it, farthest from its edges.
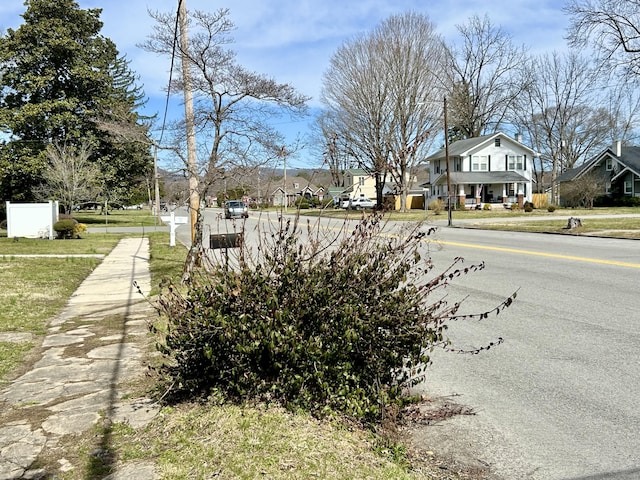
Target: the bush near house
(436, 206)
(66, 228)
(321, 327)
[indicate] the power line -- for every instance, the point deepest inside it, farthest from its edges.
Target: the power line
(173, 56)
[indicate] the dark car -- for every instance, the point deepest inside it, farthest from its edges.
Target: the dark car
(236, 208)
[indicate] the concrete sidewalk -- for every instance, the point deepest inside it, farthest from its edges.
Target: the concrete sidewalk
(95, 345)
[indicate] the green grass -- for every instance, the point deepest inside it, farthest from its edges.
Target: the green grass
(417, 215)
(606, 227)
(33, 290)
(118, 218)
(165, 262)
(205, 441)
(12, 355)
(537, 221)
(90, 243)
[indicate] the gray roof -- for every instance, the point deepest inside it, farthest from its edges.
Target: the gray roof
(629, 158)
(462, 147)
(463, 178)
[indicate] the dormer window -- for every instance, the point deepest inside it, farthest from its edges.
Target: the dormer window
(296, 185)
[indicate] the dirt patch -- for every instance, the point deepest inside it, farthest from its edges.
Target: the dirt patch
(426, 428)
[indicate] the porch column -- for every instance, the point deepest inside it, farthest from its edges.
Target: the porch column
(520, 195)
(462, 196)
(478, 194)
(504, 193)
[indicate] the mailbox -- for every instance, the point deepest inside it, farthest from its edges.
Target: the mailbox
(225, 240)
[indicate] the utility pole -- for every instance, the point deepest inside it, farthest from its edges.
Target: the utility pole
(446, 156)
(192, 167)
(156, 185)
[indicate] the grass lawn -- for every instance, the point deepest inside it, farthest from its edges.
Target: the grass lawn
(119, 218)
(539, 220)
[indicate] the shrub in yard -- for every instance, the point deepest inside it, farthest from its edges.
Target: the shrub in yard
(78, 229)
(528, 207)
(324, 325)
(65, 227)
(436, 206)
(486, 206)
(551, 208)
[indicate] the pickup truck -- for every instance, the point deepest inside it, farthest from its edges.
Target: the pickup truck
(358, 203)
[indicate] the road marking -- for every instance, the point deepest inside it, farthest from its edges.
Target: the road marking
(541, 254)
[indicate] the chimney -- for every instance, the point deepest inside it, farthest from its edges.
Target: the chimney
(618, 148)
(519, 137)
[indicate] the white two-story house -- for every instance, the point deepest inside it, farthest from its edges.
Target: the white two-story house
(488, 169)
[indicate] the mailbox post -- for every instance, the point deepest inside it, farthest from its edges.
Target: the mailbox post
(174, 222)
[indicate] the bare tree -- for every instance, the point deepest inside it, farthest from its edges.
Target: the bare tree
(622, 101)
(485, 79)
(382, 92)
(330, 147)
(583, 190)
(234, 108)
(612, 27)
(69, 175)
(559, 112)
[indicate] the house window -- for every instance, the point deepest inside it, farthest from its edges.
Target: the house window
(628, 187)
(479, 163)
(607, 188)
(515, 162)
(437, 167)
(360, 181)
(497, 144)
(296, 186)
(609, 164)
(457, 165)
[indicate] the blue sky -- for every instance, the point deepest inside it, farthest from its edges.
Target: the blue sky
(292, 41)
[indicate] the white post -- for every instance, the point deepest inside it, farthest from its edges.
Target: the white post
(172, 226)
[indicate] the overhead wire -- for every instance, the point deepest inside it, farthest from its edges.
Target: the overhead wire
(173, 56)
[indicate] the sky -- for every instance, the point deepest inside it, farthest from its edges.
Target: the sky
(293, 40)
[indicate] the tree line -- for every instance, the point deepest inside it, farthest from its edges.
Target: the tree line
(67, 93)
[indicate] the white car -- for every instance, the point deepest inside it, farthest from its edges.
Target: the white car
(358, 203)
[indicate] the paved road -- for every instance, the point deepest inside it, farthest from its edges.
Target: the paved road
(560, 399)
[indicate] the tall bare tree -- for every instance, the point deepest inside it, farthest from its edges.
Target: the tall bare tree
(234, 108)
(69, 175)
(485, 78)
(382, 92)
(612, 27)
(559, 112)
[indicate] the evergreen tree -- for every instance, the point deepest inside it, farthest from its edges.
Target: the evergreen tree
(59, 77)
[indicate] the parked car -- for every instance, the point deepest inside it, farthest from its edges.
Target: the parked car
(235, 208)
(358, 203)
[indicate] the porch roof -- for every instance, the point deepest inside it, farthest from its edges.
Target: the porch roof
(481, 178)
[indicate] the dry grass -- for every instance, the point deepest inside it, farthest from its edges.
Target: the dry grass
(198, 442)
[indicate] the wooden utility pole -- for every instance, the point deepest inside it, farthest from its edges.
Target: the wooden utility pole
(156, 184)
(192, 164)
(446, 156)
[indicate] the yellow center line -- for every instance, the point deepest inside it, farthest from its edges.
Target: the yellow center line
(541, 254)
